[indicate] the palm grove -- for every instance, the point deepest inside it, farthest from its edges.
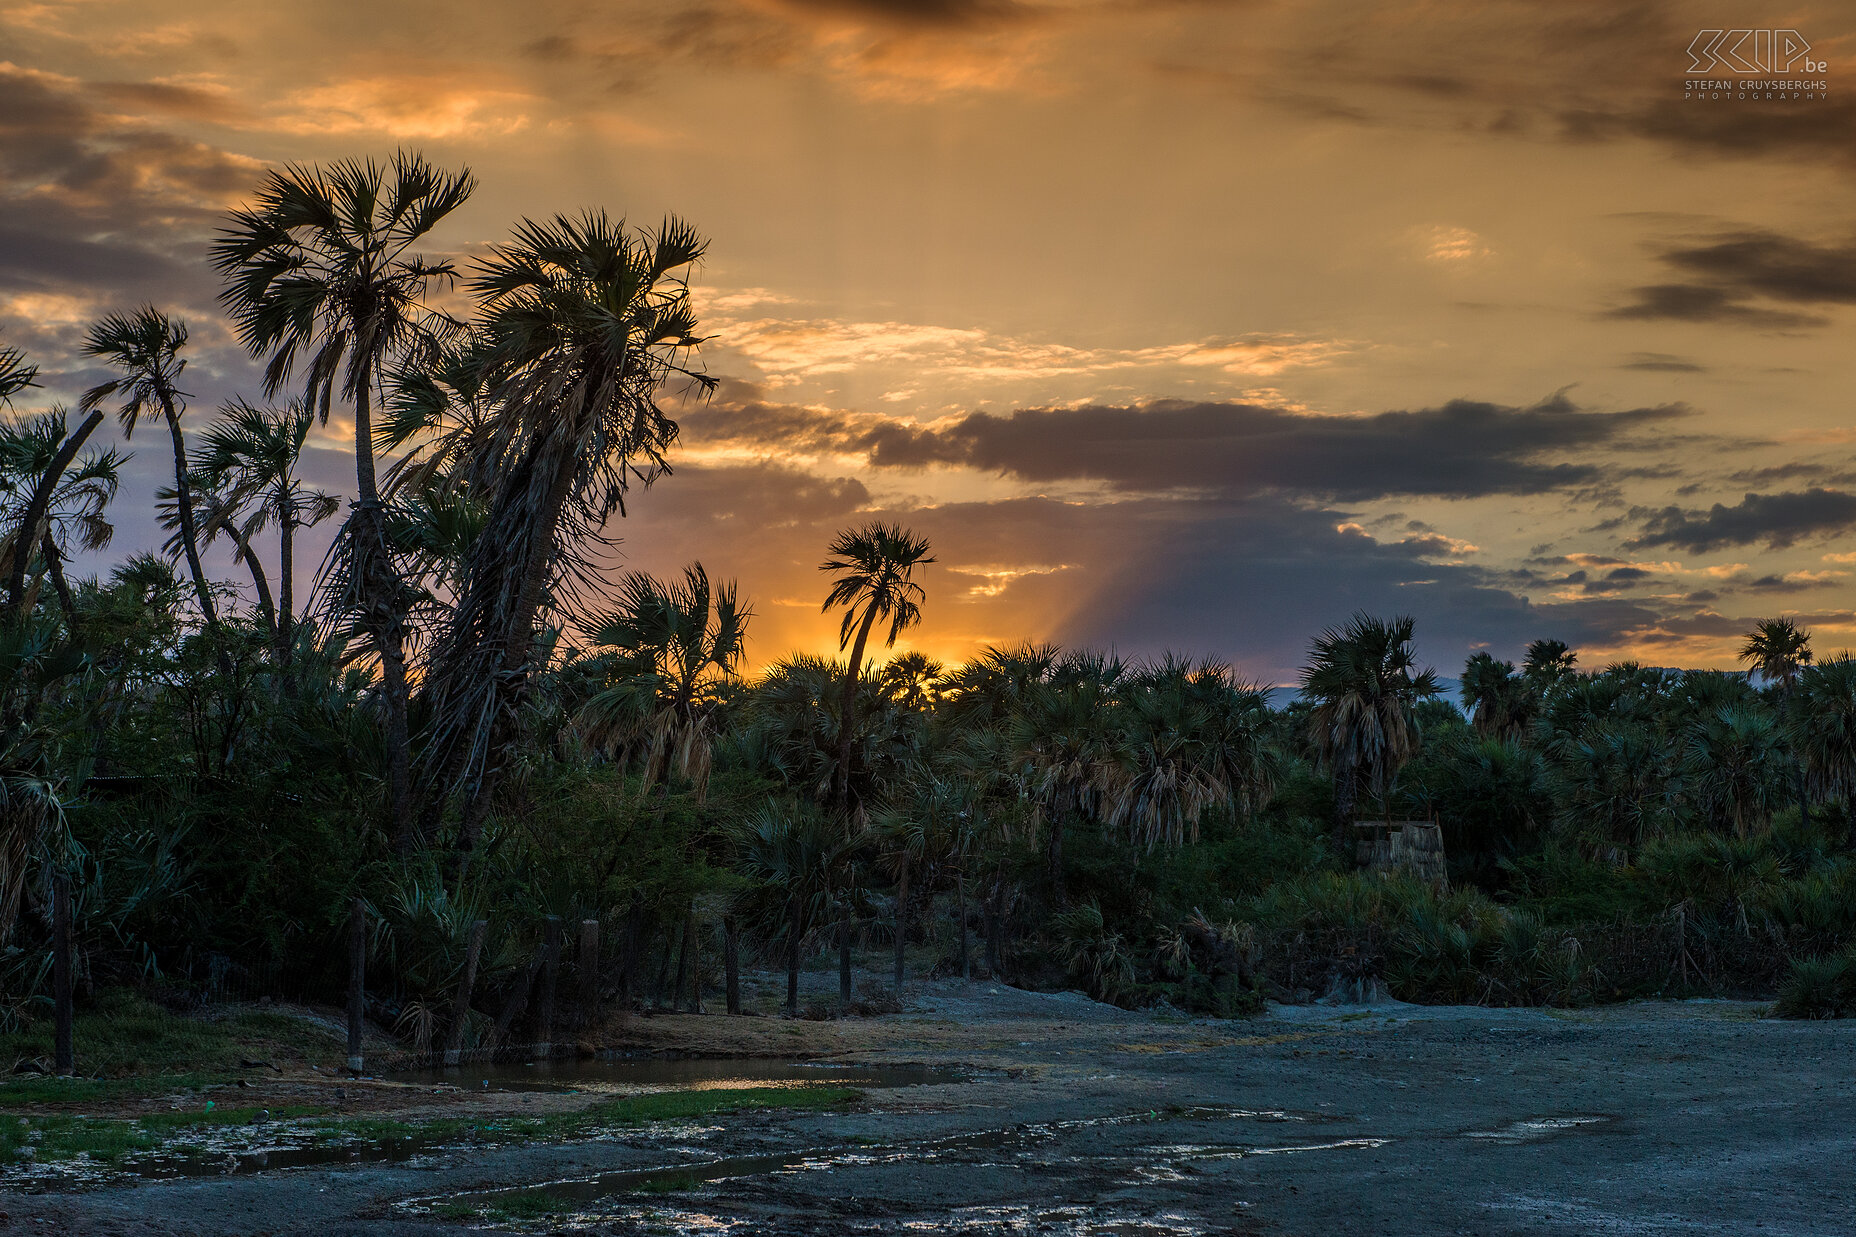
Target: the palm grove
(472, 722)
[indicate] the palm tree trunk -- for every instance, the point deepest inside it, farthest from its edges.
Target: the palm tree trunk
(54, 567)
(39, 503)
(183, 502)
(286, 567)
(731, 963)
(515, 612)
(1053, 862)
(902, 925)
(261, 582)
(844, 962)
(381, 609)
(792, 962)
(1346, 789)
(847, 703)
(960, 886)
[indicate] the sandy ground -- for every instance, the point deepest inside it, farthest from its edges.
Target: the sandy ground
(1691, 1118)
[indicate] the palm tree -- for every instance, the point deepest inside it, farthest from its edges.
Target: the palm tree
(670, 651)
(1061, 740)
(1361, 680)
(74, 500)
(219, 516)
(251, 455)
(16, 374)
(913, 679)
(146, 346)
(320, 269)
(1500, 704)
(583, 323)
(1779, 650)
(1825, 726)
(1185, 738)
(1732, 758)
(1612, 781)
(789, 851)
(1546, 663)
(873, 568)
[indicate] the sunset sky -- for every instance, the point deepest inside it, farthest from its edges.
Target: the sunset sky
(1193, 325)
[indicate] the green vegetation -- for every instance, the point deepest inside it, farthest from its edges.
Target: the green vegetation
(51, 1137)
(469, 720)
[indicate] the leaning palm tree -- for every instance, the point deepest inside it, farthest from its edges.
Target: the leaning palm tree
(670, 651)
(250, 455)
(320, 272)
(76, 496)
(146, 346)
(1364, 684)
(583, 323)
(873, 568)
(220, 514)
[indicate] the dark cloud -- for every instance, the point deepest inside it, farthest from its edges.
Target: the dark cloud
(1702, 303)
(1662, 362)
(1779, 520)
(1465, 448)
(1726, 273)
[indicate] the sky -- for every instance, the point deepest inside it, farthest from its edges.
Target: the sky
(1191, 325)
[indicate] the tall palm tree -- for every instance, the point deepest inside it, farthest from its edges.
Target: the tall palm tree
(1364, 684)
(583, 323)
(146, 346)
(670, 650)
(251, 455)
(1779, 650)
(873, 568)
(320, 271)
(76, 497)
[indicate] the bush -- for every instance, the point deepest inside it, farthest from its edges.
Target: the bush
(1820, 988)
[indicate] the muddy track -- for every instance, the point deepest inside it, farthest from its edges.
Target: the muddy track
(1077, 1119)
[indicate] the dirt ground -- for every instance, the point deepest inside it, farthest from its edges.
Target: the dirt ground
(1691, 1118)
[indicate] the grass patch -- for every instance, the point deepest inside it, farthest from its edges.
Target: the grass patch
(108, 1139)
(123, 1035)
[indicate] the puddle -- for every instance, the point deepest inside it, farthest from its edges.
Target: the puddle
(632, 1076)
(1536, 1129)
(624, 1194)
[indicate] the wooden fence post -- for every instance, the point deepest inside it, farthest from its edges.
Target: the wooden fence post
(589, 971)
(63, 1054)
(550, 965)
(460, 1005)
(357, 981)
